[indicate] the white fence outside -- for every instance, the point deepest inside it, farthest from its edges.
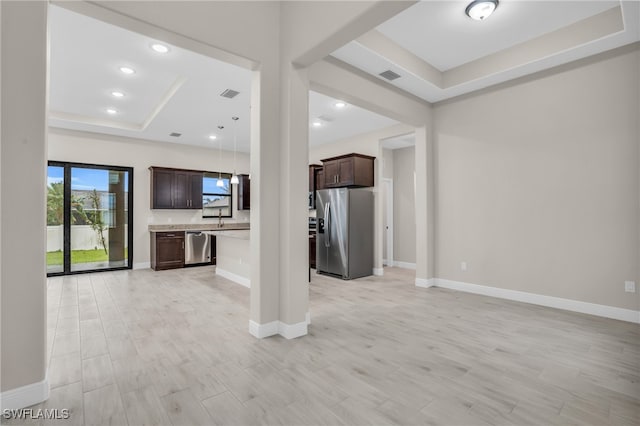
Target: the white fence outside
(82, 238)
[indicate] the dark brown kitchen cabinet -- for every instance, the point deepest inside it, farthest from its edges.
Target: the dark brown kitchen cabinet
(351, 170)
(175, 188)
(167, 250)
(312, 249)
(244, 192)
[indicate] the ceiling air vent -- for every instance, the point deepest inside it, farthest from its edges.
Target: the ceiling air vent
(389, 75)
(229, 93)
(175, 135)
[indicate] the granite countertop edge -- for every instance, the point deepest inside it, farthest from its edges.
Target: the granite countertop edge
(200, 227)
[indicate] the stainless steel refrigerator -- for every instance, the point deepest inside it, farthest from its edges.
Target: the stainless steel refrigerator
(344, 230)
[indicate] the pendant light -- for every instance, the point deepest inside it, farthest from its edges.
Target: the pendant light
(219, 182)
(234, 177)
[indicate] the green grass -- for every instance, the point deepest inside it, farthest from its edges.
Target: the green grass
(79, 256)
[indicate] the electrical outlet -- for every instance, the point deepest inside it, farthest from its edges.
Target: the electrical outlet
(463, 266)
(630, 286)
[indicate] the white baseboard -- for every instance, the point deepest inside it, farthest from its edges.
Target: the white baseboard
(542, 300)
(142, 265)
(425, 283)
(234, 277)
(291, 331)
(405, 265)
(24, 396)
(288, 331)
(378, 272)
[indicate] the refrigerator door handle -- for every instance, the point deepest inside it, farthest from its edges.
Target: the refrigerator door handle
(327, 220)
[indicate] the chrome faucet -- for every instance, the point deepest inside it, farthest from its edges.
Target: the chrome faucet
(220, 222)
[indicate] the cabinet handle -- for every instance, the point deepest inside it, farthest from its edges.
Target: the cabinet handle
(183, 245)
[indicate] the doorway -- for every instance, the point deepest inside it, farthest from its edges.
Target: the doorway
(89, 218)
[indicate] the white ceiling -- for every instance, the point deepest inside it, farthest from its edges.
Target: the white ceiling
(399, 142)
(174, 92)
(447, 38)
(340, 123)
(441, 53)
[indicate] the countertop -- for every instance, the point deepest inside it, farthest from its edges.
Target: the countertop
(241, 234)
(199, 227)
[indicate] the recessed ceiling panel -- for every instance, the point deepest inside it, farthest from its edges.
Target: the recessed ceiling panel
(441, 34)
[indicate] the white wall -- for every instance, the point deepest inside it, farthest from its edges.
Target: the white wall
(538, 185)
(82, 147)
(404, 206)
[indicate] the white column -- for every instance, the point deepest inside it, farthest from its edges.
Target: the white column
(294, 210)
(424, 208)
(23, 154)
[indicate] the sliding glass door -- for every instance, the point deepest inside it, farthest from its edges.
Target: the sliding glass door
(89, 218)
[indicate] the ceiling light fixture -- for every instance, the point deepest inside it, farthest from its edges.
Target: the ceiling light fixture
(127, 70)
(481, 9)
(213, 137)
(112, 111)
(219, 182)
(316, 123)
(340, 104)
(117, 94)
(160, 48)
(234, 177)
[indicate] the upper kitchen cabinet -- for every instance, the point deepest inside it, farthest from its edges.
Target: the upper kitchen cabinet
(175, 188)
(244, 192)
(351, 170)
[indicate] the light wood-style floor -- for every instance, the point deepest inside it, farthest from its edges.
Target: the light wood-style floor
(144, 347)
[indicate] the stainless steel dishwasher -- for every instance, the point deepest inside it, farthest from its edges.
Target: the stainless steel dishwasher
(197, 248)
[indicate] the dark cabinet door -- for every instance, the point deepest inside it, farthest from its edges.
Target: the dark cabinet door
(195, 197)
(319, 179)
(244, 192)
(345, 172)
(167, 250)
(331, 174)
(162, 189)
(181, 189)
(312, 250)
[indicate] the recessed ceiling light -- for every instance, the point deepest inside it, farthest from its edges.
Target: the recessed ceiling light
(481, 9)
(340, 104)
(112, 111)
(213, 137)
(127, 70)
(160, 48)
(117, 94)
(316, 123)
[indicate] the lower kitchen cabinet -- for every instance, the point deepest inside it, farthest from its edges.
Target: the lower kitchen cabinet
(312, 249)
(167, 250)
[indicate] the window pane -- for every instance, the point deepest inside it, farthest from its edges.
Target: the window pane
(98, 218)
(55, 219)
(210, 184)
(216, 205)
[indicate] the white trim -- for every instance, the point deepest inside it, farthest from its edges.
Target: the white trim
(425, 283)
(291, 331)
(388, 184)
(263, 330)
(24, 396)
(288, 331)
(378, 271)
(142, 265)
(233, 277)
(550, 301)
(405, 265)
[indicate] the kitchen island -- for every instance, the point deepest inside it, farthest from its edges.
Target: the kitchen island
(233, 255)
